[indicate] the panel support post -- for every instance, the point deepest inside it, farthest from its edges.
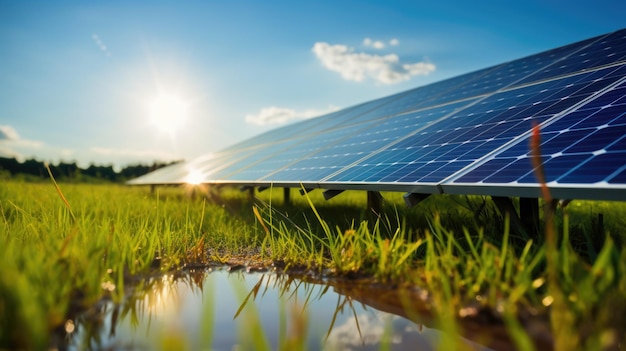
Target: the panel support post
(287, 196)
(250, 191)
(600, 225)
(529, 215)
(304, 191)
(598, 230)
(330, 193)
(412, 199)
(507, 209)
(375, 202)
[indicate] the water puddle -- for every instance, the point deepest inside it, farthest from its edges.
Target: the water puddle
(221, 310)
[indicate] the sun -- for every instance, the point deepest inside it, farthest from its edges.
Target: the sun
(168, 112)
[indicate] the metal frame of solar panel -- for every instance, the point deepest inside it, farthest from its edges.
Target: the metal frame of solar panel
(464, 135)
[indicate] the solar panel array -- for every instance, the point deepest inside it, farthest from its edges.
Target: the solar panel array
(464, 135)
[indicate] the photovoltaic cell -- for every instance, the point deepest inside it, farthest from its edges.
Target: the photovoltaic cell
(468, 134)
(494, 121)
(364, 143)
(283, 156)
(592, 53)
(584, 146)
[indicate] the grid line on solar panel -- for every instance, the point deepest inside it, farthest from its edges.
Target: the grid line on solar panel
(524, 70)
(365, 143)
(598, 51)
(524, 149)
(348, 117)
(256, 155)
(480, 82)
(285, 156)
(571, 143)
(305, 127)
(495, 121)
(426, 96)
(206, 168)
(259, 153)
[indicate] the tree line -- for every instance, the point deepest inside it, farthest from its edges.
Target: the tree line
(32, 169)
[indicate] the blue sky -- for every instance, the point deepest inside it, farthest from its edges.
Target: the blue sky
(114, 82)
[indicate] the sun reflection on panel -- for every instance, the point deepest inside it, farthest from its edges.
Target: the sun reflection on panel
(194, 177)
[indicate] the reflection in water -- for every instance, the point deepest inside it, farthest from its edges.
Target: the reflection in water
(219, 310)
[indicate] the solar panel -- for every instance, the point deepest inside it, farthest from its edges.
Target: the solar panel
(582, 148)
(464, 135)
(358, 146)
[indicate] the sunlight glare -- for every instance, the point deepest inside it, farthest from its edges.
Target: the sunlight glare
(194, 177)
(168, 112)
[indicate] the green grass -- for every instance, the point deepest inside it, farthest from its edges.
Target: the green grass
(57, 258)
(53, 262)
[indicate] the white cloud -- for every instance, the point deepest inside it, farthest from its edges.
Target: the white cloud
(281, 115)
(8, 133)
(357, 66)
(377, 44)
(10, 153)
(12, 145)
(374, 44)
(10, 138)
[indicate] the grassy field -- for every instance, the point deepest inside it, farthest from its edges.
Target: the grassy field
(63, 250)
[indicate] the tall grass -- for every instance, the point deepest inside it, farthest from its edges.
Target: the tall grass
(53, 262)
(58, 256)
(472, 274)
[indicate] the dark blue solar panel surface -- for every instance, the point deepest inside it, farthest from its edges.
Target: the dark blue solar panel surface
(575, 145)
(467, 134)
(441, 149)
(591, 53)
